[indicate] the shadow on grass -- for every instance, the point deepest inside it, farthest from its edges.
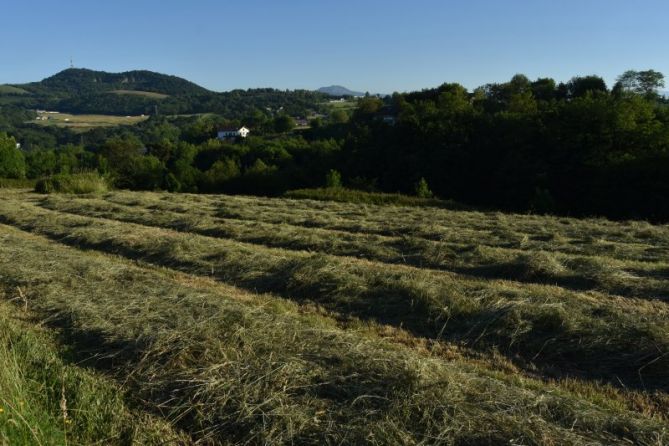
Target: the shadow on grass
(542, 336)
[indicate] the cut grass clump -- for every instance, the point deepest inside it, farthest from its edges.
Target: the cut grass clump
(538, 265)
(78, 183)
(341, 194)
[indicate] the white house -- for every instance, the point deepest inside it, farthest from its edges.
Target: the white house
(230, 133)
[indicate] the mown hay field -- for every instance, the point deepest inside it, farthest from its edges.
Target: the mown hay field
(83, 123)
(152, 318)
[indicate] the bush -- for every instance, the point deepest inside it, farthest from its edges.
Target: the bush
(79, 183)
(333, 179)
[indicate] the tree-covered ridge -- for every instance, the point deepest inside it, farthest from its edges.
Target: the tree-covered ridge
(85, 81)
(83, 91)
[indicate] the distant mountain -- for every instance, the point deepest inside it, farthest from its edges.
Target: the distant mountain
(338, 90)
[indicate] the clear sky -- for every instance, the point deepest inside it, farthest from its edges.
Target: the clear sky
(368, 45)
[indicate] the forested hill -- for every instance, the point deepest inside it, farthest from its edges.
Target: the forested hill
(77, 90)
(81, 80)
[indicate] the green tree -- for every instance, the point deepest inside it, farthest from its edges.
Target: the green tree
(41, 163)
(12, 161)
(119, 149)
(544, 89)
(369, 105)
(339, 116)
(221, 171)
(580, 85)
(259, 167)
(422, 190)
(142, 173)
(641, 82)
(283, 124)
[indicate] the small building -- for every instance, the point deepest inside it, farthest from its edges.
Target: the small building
(231, 133)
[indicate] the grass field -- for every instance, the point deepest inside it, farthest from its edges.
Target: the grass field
(82, 123)
(234, 320)
(147, 94)
(347, 105)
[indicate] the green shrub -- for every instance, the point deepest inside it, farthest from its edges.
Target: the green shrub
(79, 183)
(333, 179)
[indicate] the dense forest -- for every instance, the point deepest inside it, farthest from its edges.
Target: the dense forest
(577, 148)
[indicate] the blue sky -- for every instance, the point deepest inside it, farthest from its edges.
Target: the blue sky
(368, 45)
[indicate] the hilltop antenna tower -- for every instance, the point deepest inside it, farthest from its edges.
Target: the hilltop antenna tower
(71, 63)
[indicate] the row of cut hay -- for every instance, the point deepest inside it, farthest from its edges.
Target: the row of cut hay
(232, 368)
(541, 226)
(629, 241)
(630, 278)
(344, 195)
(586, 334)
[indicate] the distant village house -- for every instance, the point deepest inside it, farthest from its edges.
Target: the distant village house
(232, 133)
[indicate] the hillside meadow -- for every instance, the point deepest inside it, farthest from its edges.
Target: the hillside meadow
(84, 122)
(154, 318)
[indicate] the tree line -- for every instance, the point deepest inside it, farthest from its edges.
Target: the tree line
(577, 148)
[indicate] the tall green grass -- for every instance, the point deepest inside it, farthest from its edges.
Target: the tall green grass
(77, 183)
(44, 399)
